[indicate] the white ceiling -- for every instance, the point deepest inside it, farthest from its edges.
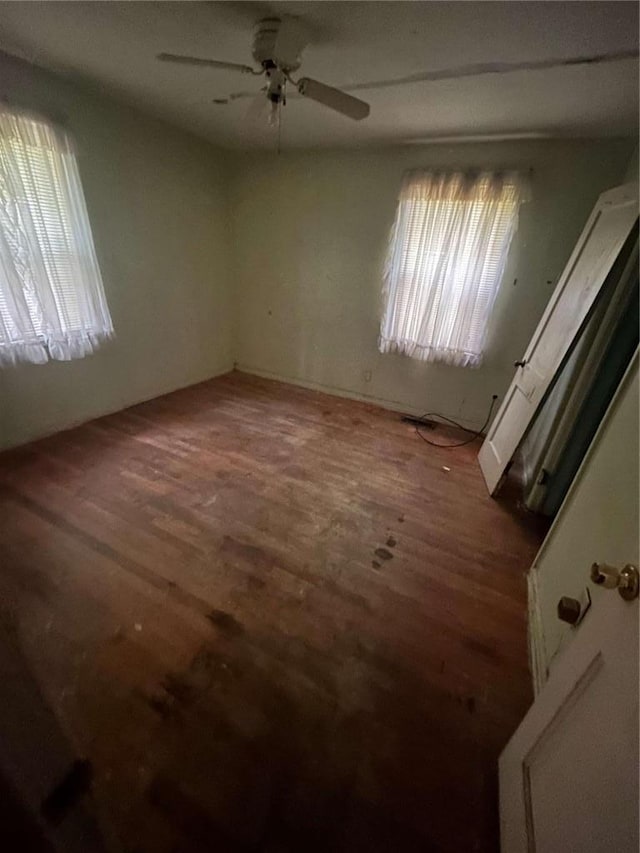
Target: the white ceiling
(115, 44)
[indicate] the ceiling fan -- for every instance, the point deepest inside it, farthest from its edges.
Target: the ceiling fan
(277, 46)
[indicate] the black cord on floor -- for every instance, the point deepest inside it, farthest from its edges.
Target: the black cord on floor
(456, 424)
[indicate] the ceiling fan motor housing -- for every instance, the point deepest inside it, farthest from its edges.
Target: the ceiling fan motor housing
(270, 51)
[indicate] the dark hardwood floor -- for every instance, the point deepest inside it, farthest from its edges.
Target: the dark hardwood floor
(272, 621)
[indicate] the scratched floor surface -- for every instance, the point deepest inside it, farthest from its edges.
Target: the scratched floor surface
(271, 620)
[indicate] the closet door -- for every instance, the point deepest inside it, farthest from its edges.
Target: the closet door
(596, 250)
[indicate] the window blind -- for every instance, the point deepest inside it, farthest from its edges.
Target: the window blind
(52, 302)
(445, 260)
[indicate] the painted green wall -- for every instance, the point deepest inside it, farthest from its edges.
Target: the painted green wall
(310, 231)
(274, 262)
(157, 205)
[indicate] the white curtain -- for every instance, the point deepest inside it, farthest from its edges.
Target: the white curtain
(52, 302)
(446, 257)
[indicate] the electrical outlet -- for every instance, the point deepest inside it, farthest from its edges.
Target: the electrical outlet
(367, 376)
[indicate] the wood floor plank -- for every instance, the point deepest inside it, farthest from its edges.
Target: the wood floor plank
(273, 619)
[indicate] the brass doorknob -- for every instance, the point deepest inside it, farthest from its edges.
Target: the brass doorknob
(625, 580)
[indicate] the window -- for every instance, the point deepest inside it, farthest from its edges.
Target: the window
(52, 303)
(445, 261)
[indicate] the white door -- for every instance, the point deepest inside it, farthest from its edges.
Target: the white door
(602, 239)
(569, 775)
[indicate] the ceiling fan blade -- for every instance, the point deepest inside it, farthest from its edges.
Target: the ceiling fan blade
(238, 96)
(211, 63)
(334, 99)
